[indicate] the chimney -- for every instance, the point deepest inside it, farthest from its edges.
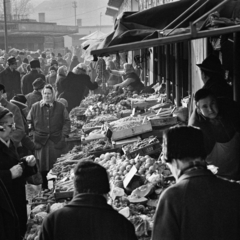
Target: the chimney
(79, 22)
(41, 17)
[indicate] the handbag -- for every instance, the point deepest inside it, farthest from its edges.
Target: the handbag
(35, 179)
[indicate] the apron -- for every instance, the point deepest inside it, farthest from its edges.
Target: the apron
(226, 156)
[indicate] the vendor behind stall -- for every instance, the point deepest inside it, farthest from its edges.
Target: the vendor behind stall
(131, 80)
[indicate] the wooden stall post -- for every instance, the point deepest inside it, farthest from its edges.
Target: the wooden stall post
(236, 69)
(177, 79)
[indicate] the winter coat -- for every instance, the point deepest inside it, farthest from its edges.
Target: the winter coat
(28, 79)
(19, 133)
(88, 217)
(49, 122)
(15, 187)
(9, 224)
(32, 98)
(199, 206)
(74, 87)
(11, 81)
(59, 88)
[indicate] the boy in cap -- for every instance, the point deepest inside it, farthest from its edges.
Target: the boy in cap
(212, 75)
(88, 216)
(29, 78)
(36, 94)
(10, 78)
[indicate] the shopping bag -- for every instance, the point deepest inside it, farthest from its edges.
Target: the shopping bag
(35, 179)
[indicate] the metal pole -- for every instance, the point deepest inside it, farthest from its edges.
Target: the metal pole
(100, 20)
(236, 70)
(167, 50)
(5, 27)
(159, 64)
(177, 82)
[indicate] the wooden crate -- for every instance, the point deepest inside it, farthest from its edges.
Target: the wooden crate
(163, 121)
(130, 132)
(148, 150)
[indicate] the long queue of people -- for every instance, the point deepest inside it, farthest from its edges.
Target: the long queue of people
(198, 206)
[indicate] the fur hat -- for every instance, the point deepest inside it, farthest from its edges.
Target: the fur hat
(35, 64)
(82, 66)
(52, 68)
(19, 100)
(91, 177)
(38, 84)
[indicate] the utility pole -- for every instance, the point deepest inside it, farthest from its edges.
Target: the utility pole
(5, 26)
(75, 11)
(100, 20)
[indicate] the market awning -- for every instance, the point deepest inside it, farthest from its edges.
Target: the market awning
(131, 34)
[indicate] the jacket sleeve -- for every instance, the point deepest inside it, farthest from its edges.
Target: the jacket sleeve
(19, 132)
(19, 83)
(23, 86)
(28, 143)
(166, 224)
(193, 120)
(91, 85)
(66, 125)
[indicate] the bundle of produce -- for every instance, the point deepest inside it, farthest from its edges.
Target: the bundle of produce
(92, 124)
(91, 99)
(126, 123)
(77, 111)
(98, 145)
(140, 144)
(104, 118)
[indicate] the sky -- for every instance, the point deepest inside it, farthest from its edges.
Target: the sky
(62, 12)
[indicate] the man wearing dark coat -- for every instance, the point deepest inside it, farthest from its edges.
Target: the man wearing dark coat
(75, 84)
(10, 78)
(212, 75)
(28, 79)
(88, 216)
(200, 205)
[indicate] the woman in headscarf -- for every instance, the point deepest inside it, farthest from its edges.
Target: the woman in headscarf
(61, 75)
(50, 125)
(74, 62)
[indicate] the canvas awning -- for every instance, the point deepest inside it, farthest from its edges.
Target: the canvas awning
(131, 34)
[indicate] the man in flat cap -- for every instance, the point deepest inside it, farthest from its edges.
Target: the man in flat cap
(28, 79)
(212, 74)
(10, 78)
(36, 94)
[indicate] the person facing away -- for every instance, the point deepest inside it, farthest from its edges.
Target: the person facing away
(88, 216)
(219, 119)
(52, 76)
(28, 79)
(75, 84)
(200, 205)
(212, 75)
(61, 75)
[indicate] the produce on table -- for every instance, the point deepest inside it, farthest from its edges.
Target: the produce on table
(104, 118)
(90, 99)
(98, 145)
(140, 144)
(126, 123)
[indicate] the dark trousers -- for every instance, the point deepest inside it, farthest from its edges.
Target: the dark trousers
(44, 178)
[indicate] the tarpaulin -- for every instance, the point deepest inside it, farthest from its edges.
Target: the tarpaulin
(144, 25)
